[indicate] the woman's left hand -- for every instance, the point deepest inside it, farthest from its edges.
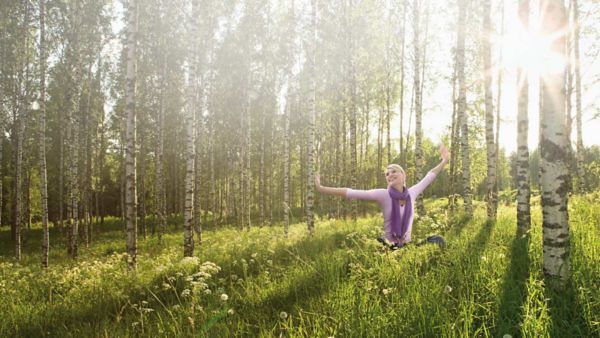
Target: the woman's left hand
(444, 154)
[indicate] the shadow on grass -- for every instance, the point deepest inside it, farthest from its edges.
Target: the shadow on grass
(311, 284)
(459, 223)
(471, 256)
(566, 311)
(514, 288)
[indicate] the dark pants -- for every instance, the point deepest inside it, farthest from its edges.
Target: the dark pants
(434, 239)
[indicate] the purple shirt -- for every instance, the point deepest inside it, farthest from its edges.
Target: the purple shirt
(382, 196)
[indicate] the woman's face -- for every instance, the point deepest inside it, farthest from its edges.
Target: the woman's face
(394, 177)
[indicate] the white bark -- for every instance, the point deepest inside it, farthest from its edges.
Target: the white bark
(462, 108)
(489, 114)
(188, 236)
(523, 179)
(42, 140)
(578, 123)
(310, 180)
(130, 179)
(554, 152)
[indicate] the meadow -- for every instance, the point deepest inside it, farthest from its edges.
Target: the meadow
(339, 282)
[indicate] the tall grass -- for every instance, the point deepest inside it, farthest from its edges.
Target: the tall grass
(339, 282)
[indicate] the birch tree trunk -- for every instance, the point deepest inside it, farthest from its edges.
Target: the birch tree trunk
(353, 104)
(245, 161)
(310, 176)
(462, 109)
(42, 140)
(492, 194)
(261, 175)
(130, 181)
(499, 101)
(61, 172)
(578, 124)
(286, 164)
(188, 236)
(20, 121)
(20, 124)
(211, 163)
(402, 75)
(418, 104)
(1, 173)
(553, 147)
(454, 134)
(523, 179)
(161, 193)
(142, 182)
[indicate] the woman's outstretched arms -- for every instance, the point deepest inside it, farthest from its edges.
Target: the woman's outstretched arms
(445, 155)
(327, 190)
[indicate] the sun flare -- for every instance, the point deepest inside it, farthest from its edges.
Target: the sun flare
(530, 51)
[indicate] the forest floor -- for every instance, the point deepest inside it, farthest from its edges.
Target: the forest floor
(339, 282)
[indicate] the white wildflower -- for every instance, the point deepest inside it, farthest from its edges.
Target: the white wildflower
(231, 312)
(190, 261)
(283, 315)
(207, 292)
(186, 292)
(224, 297)
(254, 255)
(448, 289)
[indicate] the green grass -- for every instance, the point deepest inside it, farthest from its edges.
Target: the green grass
(339, 282)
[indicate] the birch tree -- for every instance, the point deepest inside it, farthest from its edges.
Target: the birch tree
(553, 148)
(188, 237)
(462, 108)
(489, 113)
(130, 180)
(523, 179)
(310, 175)
(161, 195)
(42, 138)
(353, 99)
(418, 103)
(402, 75)
(578, 124)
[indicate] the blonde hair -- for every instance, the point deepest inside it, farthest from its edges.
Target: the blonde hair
(395, 166)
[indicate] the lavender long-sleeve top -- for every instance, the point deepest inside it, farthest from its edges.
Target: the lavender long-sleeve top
(382, 196)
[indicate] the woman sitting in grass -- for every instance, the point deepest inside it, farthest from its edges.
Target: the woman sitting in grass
(396, 201)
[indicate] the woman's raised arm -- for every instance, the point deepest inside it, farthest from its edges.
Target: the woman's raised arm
(327, 190)
(445, 155)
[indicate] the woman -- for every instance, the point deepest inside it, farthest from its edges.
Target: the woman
(397, 202)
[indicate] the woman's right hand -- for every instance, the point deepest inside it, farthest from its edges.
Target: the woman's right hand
(317, 182)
